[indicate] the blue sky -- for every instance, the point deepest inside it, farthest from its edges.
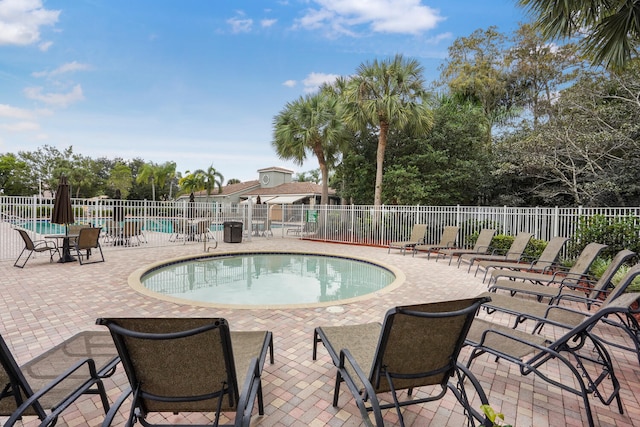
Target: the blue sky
(200, 81)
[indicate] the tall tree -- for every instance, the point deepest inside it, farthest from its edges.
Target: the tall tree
(476, 71)
(609, 29)
(120, 178)
(385, 95)
(209, 179)
(311, 124)
(147, 175)
(165, 172)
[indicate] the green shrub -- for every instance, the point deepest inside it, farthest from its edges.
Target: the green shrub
(621, 232)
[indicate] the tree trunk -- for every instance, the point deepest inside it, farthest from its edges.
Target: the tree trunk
(382, 146)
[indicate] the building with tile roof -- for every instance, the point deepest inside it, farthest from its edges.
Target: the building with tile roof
(274, 185)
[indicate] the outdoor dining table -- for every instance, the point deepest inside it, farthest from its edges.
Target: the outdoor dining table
(66, 247)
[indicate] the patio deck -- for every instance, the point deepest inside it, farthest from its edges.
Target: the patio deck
(44, 303)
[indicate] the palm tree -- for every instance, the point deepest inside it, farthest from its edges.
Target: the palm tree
(147, 174)
(210, 179)
(192, 182)
(311, 124)
(164, 174)
(613, 26)
(384, 95)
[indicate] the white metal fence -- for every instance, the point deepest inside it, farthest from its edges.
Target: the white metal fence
(345, 224)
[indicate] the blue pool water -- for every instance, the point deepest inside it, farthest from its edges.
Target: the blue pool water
(267, 279)
(43, 227)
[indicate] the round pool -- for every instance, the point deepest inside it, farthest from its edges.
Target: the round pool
(265, 279)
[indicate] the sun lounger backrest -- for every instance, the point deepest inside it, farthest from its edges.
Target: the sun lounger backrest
(423, 341)
(186, 359)
(605, 280)
(484, 240)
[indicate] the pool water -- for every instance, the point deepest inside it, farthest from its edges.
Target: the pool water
(43, 227)
(267, 279)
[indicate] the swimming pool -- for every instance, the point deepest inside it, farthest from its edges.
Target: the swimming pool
(42, 227)
(265, 279)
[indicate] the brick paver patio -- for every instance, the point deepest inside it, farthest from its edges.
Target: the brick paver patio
(44, 303)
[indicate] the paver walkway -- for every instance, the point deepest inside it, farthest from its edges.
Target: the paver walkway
(44, 303)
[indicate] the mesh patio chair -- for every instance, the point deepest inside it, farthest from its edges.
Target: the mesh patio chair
(577, 280)
(578, 350)
(417, 237)
(416, 346)
(447, 241)
(514, 253)
(189, 365)
(32, 246)
(482, 246)
(545, 262)
(580, 269)
(88, 239)
(48, 384)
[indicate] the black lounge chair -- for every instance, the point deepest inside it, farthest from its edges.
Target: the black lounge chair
(189, 365)
(482, 246)
(48, 384)
(35, 246)
(579, 270)
(513, 254)
(416, 238)
(88, 239)
(580, 284)
(545, 262)
(592, 365)
(447, 241)
(417, 346)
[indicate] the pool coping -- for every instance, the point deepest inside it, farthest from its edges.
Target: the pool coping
(135, 281)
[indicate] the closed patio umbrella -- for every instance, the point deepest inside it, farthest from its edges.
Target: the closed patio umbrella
(63, 214)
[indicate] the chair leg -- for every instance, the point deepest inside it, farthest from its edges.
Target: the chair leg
(15, 264)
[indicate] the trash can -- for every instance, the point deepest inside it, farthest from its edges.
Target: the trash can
(232, 231)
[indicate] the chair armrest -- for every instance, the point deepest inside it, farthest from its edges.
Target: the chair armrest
(369, 393)
(70, 398)
(37, 244)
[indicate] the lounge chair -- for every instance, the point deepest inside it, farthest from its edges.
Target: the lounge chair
(592, 364)
(544, 262)
(549, 285)
(515, 252)
(447, 241)
(88, 239)
(132, 230)
(189, 365)
(579, 269)
(35, 246)
(417, 237)
(482, 246)
(48, 384)
(560, 314)
(557, 287)
(416, 346)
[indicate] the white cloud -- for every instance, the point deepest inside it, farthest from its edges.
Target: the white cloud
(44, 46)
(290, 83)
(240, 25)
(440, 37)
(56, 99)
(14, 112)
(384, 16)
(314, 80)
(20, 126)
(20, 21)
(266, 23)
(65, 68)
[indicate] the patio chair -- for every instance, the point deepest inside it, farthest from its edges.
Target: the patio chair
(543, 263)
(202, 231)
(513, 254)
(576, 280)
(447, 241)
(48, 384)
(417, 237)
(416, 346)
(592, 365)
(35, 246)
(482, 246)
(132, 230)
(189, 365)
(178, 230)
(561, 287)
(88, 239)
(579, 269)
(560, 314)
